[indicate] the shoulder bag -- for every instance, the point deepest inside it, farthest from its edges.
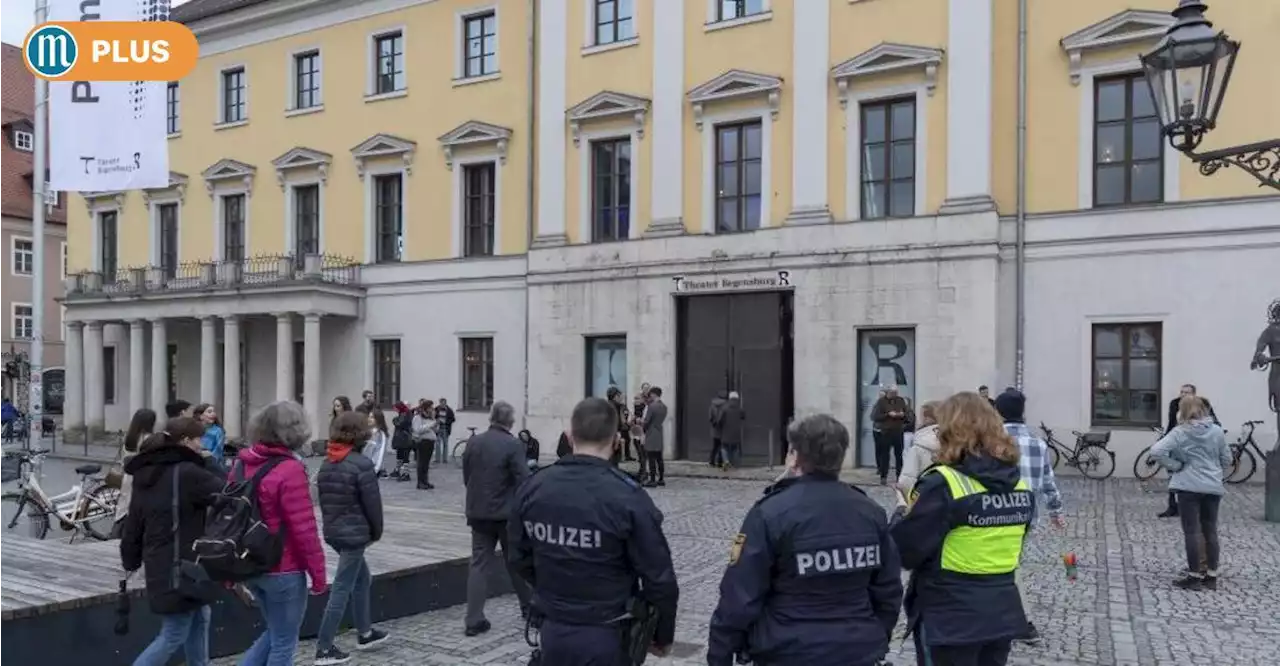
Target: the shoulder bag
(188, 579)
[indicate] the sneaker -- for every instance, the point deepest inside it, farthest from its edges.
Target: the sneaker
(1190, 582)
(374, 637)
(478, 629)
(1031, 635)
(331, 657)
(661, 483)
(1168, 513)
(1210, 581)
(884, 481)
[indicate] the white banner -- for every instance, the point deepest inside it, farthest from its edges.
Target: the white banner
(107, 135)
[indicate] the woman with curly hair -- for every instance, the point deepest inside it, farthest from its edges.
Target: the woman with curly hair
(960, 532)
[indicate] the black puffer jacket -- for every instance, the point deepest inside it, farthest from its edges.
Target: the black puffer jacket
(350, 502)
(147, 535)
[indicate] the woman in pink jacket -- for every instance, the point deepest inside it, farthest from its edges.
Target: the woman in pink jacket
(284, 498)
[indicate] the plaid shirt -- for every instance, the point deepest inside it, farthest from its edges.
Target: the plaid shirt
(1036, 468)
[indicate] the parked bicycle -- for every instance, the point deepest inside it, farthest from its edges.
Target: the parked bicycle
(88, 508)
(1090, 454)
(1144, 466)
(1245, 453)
(461, 445)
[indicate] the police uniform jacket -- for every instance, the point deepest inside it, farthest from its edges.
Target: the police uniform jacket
(584, 534)
(954, 608)
(813, 578)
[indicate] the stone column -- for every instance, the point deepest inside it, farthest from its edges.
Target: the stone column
(209, 360)
(809, 145)
(159, 366)
(73, 399)
(231, 378)
(311, 371)
(94, 407)
(137, 364)
(969, 62)
(284, 356)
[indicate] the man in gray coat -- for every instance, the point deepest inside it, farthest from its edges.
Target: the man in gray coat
(493, 467)
(654, 418)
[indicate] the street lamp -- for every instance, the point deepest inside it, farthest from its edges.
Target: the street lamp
(1188, 73)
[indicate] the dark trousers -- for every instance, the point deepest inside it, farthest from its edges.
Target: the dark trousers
(1199, 513)
(486, 537)
(886, 441)
(717, 452)
(425, 449)
(657, 467)
(1173, 502)
(581, 645)
(983, 654)
(627, 444)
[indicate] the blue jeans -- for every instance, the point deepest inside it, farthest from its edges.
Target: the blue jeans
(188, 631)
(442, 446)
(282, 598)
(351, 582)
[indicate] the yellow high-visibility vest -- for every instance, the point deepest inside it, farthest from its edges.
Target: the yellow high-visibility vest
(987, 544)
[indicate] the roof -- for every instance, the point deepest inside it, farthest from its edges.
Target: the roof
(196, 10)
(17, 97)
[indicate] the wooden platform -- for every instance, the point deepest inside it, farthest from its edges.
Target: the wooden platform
(51, 590)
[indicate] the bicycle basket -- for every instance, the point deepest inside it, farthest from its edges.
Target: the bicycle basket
(1097, 438)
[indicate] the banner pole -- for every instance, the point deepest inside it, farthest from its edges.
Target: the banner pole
(39, 207)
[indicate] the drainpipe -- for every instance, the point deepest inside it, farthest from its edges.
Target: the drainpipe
(531, 133)
(1021, 306)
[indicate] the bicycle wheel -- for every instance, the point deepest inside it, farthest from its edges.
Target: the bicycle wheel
(37, 520)
(1243, 467)
(1144, 468)
(458, 448)
(1096, 462)
(1054, 457)
(98, 512)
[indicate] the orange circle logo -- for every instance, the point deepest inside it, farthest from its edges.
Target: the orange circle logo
(111, 51)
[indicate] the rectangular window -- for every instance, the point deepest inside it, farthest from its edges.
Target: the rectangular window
(23, 325)
(172, 107)
(480, 45)
(388, 216)
(233, 95)
(477, 373)
(64, 260)
(24, 256)
(611, 189)
(478, 209)
(388, 68)
(727, 10)
(1126, 374)
(738, 163)
(306, 80)
(299, 369)
(108, 250)
(171, 372)
(109, 375)
(606, 364)
(615, 21)
(1128, 150)
(24, 141)
(169, 239)
(386, 371)
(306, 220)
(888, 159)
(233, 227)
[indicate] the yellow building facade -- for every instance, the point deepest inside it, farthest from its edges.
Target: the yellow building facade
(799, 201)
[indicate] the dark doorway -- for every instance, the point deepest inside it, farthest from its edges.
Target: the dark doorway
(735, 342)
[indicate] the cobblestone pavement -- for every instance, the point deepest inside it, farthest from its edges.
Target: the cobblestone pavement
(1121, 610)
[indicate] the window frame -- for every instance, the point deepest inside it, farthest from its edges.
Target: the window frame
(374, 88)
(484, 347)
(173, 108)
(224, 92)
(1125, 359)
(15, 330)
(716, 13)
(888, 143)
(14, 253)
(298, 88)
(110, 374)
(594, 24)
(30, 140)
(740, 163)
(379, 207)
(168, 270)
(1126, 159)
(240, 239)
(296, 191)
(487, 200)
(389, 394)
(463, 71)
(105, 248)
(614, 176)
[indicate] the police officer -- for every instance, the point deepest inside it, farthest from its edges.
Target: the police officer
(962, 536)
(583, 533)
(813, 577)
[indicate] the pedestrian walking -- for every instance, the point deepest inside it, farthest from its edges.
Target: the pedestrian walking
(445, 419)
(732, 423)
(284, 499)
(141, 426)
(1171, 510)
(923, 450)
(172, 489)
(215, 437)
(1036, 469)
(585, 583)
(890, 415)
(402, 440)
(1195, 453)
(532, 448)
(713, 416)
(351, 506)
(375, 449)
(962, 539)
(655, 417)
(493, 466)
(813, 575)
(425, 436)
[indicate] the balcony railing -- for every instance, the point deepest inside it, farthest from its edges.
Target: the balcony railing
(258, 271)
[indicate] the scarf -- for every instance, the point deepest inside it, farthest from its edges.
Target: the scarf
(337, 451)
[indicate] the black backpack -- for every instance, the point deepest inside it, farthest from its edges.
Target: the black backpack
(237, 545)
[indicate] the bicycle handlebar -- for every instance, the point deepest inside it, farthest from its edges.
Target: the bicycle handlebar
(1250, 424)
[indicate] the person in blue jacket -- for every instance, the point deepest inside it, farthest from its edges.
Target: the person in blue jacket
(215, 438)
(813, 577)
